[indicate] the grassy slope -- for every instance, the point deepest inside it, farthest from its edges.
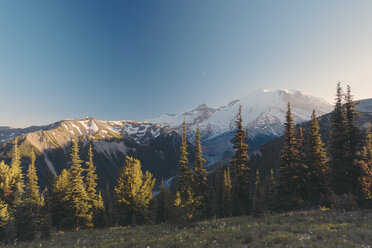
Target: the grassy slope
(298, 229)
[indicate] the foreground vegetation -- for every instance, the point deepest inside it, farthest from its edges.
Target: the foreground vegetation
(316, 228)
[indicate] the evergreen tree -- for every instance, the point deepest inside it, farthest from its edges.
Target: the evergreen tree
(259, 204)
(185, 180)
(200, 179)
(4, 214)
(218, 192)
(32, 188)
(365, 179)
(241, 171)
(94, 199)
(76, 195)
(352, 134)
(59, 201)
(4, 219)
(302, 167)
(5, 183)
(352, 131)
(269, 194)
(289, 184)
(164, 209)
(17, 185)
(28, 214)
(133, 191)
(337, 147)
(317, 163)
(227, 193)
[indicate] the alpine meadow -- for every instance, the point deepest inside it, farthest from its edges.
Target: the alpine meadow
(272, 168)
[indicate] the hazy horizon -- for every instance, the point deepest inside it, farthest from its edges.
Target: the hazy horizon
(139, 59)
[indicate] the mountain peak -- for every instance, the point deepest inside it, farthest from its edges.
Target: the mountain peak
(202, 106)
(272, 103)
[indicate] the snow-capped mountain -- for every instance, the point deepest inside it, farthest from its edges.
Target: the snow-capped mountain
(263, 114)
(260, 110)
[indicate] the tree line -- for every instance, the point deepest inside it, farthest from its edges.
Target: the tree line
(310, 175)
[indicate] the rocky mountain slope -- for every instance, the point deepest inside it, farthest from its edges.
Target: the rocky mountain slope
(156, 146)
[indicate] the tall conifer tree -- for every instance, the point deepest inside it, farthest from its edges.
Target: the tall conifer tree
(164, 209)
(76, 194)
(17, 186)
(218, 191)
(365, 179)
(317, 163)
(227, 193)
(32, 187)
(289, 184)
(94, 199)
(302, 167)
(200, 177)
(241, 184)
(337, 146)
(59, 201)
(185, 180)
(352, 152)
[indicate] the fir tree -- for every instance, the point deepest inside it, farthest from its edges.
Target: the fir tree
(241, 171)
(302, 167)
(32, 188)
(289, 184)
(365, 179)
(164, 209)
(17, 186)
(46, 210)
(76, 195)
(317, 163)
(5, 183)
(28, 213)
(185, 180)
(352, 131)
(59, 203)
(352, 134)
(258, 199)
(227, 193)
(269, 194)
(337, 147)
(218, 192)
(94, 199)
(4, 219)
(133, 191)
(200, 179)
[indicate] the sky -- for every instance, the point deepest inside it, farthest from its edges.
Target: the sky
(134, 60)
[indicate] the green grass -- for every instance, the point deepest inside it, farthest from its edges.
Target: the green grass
(294, 229)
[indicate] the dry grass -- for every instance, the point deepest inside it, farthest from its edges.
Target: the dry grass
(318, 228)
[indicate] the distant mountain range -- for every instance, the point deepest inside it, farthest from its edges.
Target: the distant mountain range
(156, 146)
(156, 142)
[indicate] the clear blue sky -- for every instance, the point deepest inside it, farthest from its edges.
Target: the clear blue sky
(138, 59)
